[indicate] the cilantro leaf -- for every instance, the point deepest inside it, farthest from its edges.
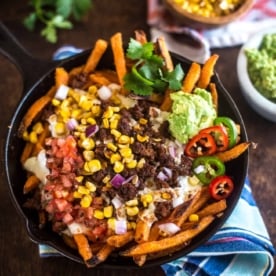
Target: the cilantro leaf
(136, 50)
(132, 83)
(55, 14)
(175, 77)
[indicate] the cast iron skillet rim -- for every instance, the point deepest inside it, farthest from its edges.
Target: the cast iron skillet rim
(218, 222)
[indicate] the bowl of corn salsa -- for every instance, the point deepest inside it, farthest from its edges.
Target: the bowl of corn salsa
(207, 13)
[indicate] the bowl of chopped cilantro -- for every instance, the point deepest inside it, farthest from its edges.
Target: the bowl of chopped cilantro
(256, 68)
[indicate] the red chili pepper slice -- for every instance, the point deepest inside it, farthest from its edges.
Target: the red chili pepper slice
(200, 145)
(220, 135)
(221, 187)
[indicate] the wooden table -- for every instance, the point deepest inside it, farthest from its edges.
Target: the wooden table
(19, 256)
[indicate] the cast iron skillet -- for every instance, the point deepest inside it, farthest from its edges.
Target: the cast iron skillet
(39, 77)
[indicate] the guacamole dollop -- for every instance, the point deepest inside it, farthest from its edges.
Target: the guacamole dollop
(261, 66)
(190, 113)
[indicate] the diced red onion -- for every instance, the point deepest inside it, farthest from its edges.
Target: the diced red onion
(117, 180)
(117, 203)
(172, 151)
(120, 226)
(168, 172)
(91, 130)
(169, 228)
(72, 124)
(128, 179)
(162, 176)
(62, 92)
(104, 93)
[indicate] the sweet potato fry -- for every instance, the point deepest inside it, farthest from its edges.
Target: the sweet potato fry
(101, 256)
(234, 152)
(207, 71)
(214, 93)
(213, 208)
(140, 260)
(83, 246)
(95, 55)
(120, 240)
(31, 183)
(191, 78)
(140, 36)
(170, 242)
(164, 52)
(166, 104)
(32, 113)
(27, 152)
(61, 76)
(142, 231)
(119, 56)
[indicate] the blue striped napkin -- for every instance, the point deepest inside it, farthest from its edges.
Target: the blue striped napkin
(241, 247)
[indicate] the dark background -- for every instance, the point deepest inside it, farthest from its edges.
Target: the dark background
(18, 255)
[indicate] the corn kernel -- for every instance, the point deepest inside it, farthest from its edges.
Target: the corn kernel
(105, 123)
(132, 211)
(92, 89)
(55, 102)
(83, 190)
(193, 180)
(106, 179)
(98, 214)
(91, 121)
(88, 143)
(76, 194)
(38, 128)
(132, 225)
(124, 139)
(90, 186)
(114, 124)
(141, 163)
(111, 223)
(65, 113)
(33, 137)
(60, 128)
(79, 178)
(126, 152)
(96, 110)
(108, 113)
(193, 218)
(141, 138)
(143, 121)
(108, 211)
(111, 146)
(85, 104)
(115, 133)
(115, 108)
(132, 202)
(86, 201)
(76, 113)
(88, 155)
(166, 196)
(92, 166)
(115, 157)
(118, 167)
(26, 135)
(146, 199)
(131, 164)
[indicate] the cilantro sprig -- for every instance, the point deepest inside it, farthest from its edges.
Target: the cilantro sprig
(148, 73)
(55, 14)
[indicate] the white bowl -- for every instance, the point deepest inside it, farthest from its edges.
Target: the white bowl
(255, 99)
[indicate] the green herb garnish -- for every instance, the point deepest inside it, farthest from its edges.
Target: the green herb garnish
(55, 14)
(148, 74)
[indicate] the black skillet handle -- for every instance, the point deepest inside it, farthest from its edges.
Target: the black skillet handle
(31, 68)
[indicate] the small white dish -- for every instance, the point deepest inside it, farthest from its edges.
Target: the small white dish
(255, 99)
